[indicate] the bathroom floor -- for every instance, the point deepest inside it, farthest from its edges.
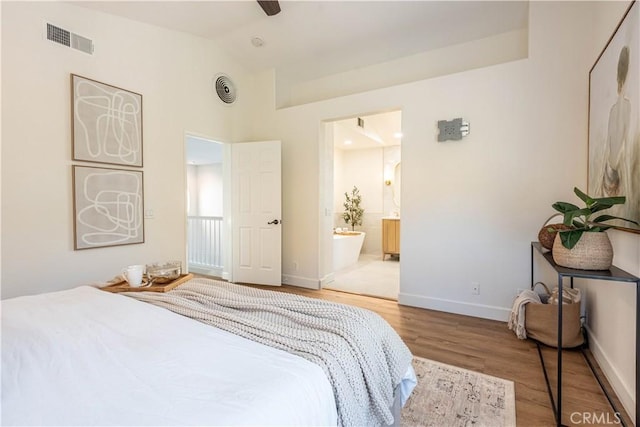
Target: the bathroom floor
(370, 276)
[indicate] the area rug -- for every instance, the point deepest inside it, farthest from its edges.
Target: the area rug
(450, 396)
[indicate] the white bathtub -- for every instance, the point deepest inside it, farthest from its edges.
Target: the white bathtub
(346, 248)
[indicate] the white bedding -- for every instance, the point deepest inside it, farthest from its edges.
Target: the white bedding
(130, 363)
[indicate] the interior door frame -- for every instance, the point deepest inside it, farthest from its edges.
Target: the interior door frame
(226, 201)
(326, 194)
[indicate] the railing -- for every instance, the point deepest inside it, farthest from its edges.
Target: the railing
(205, 242)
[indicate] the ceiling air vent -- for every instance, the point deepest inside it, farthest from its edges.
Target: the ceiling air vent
(67, 38)
(225, 89)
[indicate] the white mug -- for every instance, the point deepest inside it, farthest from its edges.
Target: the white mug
(133, 275)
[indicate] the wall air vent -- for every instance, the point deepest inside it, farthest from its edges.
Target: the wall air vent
(67, 38)
(225, 89)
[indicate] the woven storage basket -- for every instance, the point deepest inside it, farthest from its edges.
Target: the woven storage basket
(541, 323)
(547, 233)
(592, 252)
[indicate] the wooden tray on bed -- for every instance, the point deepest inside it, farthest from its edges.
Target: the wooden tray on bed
(164, 287)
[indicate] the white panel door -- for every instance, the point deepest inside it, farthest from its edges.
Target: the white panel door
(256, 212)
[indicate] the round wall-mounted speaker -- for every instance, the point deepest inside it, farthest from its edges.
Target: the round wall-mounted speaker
(225, 89)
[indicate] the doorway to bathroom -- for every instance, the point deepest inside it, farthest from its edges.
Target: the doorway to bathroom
(365, 248)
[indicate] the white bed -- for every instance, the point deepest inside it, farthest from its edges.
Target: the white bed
(88, 357)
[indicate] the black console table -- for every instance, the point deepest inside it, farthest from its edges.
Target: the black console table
(613, 274)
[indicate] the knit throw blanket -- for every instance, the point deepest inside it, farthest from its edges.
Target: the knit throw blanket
(360, 353)
(516, 317)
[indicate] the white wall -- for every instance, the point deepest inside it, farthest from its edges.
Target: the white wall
(362, 169)
(365, 168)
(192, 190)
(339, 169)
(173, 71)
(392, 200)
(205, 185)
(612, 306)
(492, 50)
(210, 186)
(471, 208)
(463, 211)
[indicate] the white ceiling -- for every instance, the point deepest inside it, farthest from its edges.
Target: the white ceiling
(312, 39)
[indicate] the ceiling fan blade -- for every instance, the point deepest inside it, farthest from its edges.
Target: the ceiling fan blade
(270, 7)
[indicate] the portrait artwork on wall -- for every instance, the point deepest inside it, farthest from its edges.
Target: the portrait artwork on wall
(108, 207)
(106, 123)
(614, 121)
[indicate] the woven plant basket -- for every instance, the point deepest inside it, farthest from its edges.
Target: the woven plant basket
(592, 252)
(547, 233)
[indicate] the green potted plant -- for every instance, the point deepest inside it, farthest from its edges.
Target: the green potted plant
(352, 211)
(585, 245)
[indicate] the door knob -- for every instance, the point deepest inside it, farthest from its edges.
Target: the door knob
(275, 222)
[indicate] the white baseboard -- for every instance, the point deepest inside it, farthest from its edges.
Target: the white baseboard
(327, 279)
(303, 282)
(458, 307)
(216, 272)
(622, 390)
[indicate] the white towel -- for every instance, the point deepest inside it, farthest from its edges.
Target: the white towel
(569, 296)
(516, 317)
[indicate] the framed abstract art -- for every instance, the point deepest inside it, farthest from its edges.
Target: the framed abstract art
(108, 207)
(106, 123)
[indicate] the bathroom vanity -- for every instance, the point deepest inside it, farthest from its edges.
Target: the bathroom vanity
(390, 236)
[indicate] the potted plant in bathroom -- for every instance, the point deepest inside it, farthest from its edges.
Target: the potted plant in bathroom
(352, 211)
(585, 245)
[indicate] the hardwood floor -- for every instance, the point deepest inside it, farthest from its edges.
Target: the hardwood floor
(488, 346)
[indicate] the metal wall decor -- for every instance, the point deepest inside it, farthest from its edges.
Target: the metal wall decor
(452, 130)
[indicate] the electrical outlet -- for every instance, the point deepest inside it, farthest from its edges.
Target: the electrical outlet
(295, 265)
(475, 288)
